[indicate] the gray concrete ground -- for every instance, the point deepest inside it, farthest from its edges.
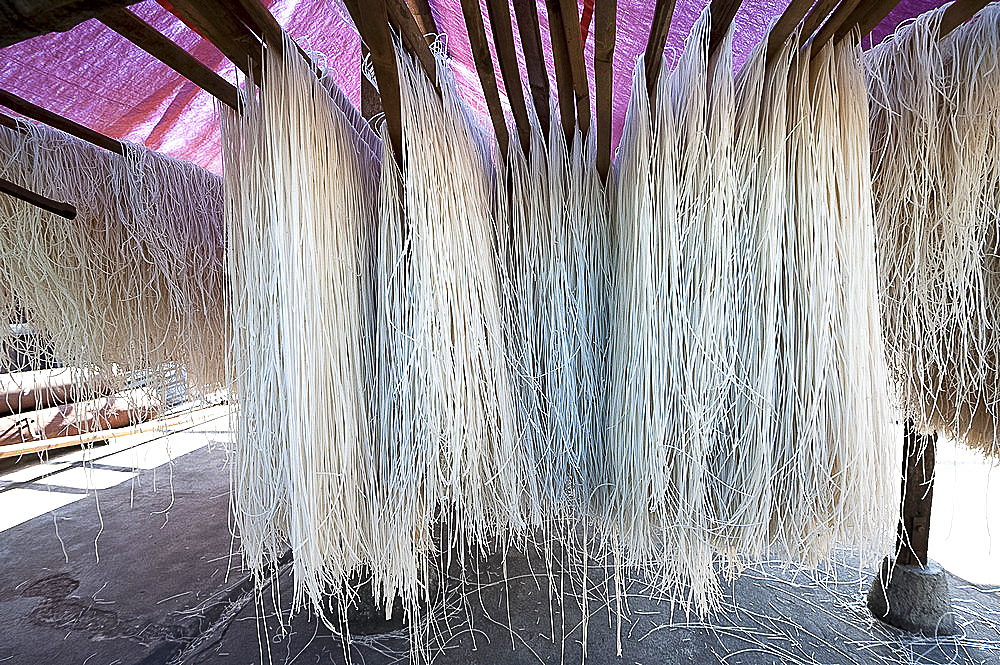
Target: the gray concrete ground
(123, 554)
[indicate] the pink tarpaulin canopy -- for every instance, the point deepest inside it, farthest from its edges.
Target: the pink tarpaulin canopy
(99, 79)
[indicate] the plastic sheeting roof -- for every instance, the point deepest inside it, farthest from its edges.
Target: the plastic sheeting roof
(92, 75)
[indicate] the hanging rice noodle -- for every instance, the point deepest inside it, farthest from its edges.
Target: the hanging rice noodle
(935, 122)
(748, 399)
(301, 327)
(134, 285)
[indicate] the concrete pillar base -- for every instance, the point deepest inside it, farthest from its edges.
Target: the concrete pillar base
(914, 598)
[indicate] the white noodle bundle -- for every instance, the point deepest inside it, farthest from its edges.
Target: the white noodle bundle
(476, 467)
(748, 403)
(136, 282)
(936, 160)
(302, 327)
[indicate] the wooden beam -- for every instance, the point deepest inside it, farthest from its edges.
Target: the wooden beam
(371, 103)
(876, 15)
(413, 37)
(484, 66)
(653, 58)
(503, 40)
(605, 20)
(10, 123)
(958, 13)
(815, 18)
(37, 113)
(373, 25)
(564, 77)
(723, 12)
(230, 35)
(137, 31)
(577, 66)
(421, 11)
(534, 61)
(832, 27)
(785, 26)
(49, 205)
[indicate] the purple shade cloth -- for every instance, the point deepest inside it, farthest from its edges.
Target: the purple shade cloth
(92, 75)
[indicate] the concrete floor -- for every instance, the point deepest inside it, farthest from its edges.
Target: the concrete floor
(123, 554)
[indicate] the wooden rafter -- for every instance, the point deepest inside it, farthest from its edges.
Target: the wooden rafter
(230, 35)
(405, 23)
(723, 12)
(577, 66)
(605, 16)
(55, 207)
(531, 44)
(785, 26)
(560, 58)
(137, 31)
(653, 57)
(373, 25)
(876, 15)
(484, 66)
(959, 12)
(37, 113)
(421, 11)
(503, 40)
(815, 18)
(836, 21)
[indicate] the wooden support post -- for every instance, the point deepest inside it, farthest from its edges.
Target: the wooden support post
(917, 493)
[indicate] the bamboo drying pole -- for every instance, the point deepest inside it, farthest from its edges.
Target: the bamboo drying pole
(55, 207)
(190, 419)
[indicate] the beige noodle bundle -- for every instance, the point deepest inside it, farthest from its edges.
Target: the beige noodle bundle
(935, 115)
(134, 286)
(302, 327)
